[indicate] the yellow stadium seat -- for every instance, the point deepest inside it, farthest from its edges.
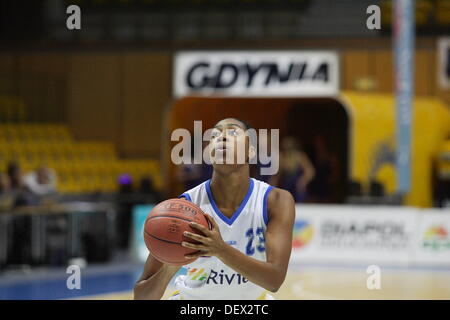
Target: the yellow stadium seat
(443, 12)
(80, 166)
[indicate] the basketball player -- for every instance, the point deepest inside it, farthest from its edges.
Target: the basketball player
(246, 252)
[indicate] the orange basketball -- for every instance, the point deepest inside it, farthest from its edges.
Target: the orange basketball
(164, 227)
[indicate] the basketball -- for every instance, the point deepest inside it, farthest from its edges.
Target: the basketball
(164, 227)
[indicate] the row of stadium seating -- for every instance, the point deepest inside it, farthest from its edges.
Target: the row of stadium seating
(69, 151)
(80, 166)
(46, 133)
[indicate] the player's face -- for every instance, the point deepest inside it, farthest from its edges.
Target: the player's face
(229, 143)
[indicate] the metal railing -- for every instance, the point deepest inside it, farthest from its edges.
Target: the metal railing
(78, 219)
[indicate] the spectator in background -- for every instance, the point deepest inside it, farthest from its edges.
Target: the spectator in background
(148, 190)
(41, 182)
(296, 170)
(127, 198)
(125, 203)
(125, 184)
(5, 185)
(22, 196)
(6, 198)
(15, 177)
(325, 163)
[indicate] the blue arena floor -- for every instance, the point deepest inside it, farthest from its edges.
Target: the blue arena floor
(44, 283)
(52, 283)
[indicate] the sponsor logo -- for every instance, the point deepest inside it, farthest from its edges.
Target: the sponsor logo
(303, 233)
(196, 277)
(436, 238)
(388, 235)
(266, 73)
(225, 278)
(197, 274)
(204, 74)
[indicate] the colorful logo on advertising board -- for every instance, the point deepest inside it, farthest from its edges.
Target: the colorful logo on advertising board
(302, 234)
(436, 238)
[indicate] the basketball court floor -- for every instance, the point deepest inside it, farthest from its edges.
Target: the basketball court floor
(312, 282)
(325, 283)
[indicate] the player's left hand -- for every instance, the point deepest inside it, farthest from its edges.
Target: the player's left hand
(211, 243)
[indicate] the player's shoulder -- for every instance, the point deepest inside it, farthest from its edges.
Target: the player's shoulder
(280, 202)
(280, 196)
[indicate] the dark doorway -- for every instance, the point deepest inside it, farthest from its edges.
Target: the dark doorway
(322, 124)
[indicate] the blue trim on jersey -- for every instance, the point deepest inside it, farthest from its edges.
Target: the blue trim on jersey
(265, 214)
(236, 214)
(187, 196)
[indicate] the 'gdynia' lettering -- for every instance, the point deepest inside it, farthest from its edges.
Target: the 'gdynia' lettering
(205, 75)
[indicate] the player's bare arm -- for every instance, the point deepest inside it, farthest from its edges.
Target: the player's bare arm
(278, 239)
(154, 279)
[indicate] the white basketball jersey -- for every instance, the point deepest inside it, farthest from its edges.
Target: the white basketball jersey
(210, 278)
